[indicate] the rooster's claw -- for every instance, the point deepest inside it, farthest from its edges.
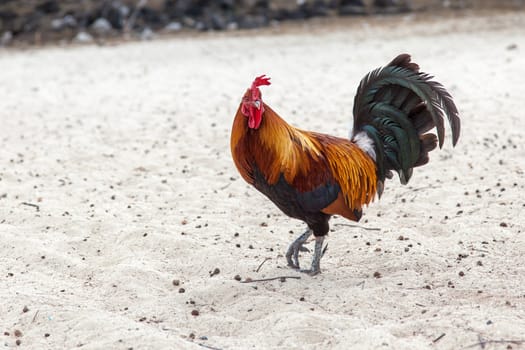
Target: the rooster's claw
(293, 266)
(311, 272)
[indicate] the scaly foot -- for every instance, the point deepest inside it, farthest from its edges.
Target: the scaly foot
(318, 254)
(311, 272)
(292, 255)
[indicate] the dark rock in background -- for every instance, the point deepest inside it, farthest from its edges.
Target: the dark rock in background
(48, 7)
(35, 21)
(352, 7)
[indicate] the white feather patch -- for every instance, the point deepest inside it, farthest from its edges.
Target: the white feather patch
(365, 143)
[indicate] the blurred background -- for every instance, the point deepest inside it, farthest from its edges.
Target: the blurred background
(64, 21)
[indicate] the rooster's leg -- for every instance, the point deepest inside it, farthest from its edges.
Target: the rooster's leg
(295, 247)
(318, 254)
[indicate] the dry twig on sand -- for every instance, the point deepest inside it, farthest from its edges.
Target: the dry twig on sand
(208, 346)
(265, 260)
(37, 207)
(357, 226)
(282, 278)
(438, 338)
(482, 343)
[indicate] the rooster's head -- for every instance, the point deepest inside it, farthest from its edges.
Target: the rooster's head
(252, 104)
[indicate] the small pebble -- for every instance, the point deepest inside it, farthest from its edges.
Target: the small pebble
(377, 274)
(175, 27)
(237, 277)
(175, 282)
(83, 37)
(195, 312)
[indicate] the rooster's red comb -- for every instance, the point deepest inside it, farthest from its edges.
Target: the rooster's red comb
(260, 80)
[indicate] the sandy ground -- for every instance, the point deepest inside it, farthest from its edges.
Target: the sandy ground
(125, 151)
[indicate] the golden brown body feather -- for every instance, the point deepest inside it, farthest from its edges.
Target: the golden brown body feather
(305, 159)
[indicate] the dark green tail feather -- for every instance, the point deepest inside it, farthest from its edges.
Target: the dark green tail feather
(396, 105)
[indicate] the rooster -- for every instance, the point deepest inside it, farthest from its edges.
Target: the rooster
(311, 176)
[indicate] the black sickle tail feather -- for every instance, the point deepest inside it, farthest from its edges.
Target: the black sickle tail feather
(396, 106)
